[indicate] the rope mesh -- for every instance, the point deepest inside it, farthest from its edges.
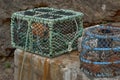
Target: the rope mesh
(100, 56)
(52, 31)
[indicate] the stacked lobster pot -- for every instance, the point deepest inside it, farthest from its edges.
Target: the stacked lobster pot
(100, 55)
(46, 31)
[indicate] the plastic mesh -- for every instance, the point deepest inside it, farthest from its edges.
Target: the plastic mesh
(100, 56)
(46, 31)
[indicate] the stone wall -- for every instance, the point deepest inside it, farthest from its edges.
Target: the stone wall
(93, 9)
(94, 13)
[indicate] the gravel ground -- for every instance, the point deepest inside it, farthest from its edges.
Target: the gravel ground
(7, 70)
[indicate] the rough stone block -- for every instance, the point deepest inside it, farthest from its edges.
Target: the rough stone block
(65, 67)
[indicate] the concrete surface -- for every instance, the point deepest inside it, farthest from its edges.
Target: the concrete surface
(65, 67)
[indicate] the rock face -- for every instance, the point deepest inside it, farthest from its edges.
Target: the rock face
(95, 11)
(65, 67)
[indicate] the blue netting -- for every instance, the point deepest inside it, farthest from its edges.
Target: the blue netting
(100, 56)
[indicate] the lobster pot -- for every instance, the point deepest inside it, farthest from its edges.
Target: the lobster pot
(46, 31)
(100, 56)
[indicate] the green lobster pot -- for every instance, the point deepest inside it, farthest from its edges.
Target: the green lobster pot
(46, 31)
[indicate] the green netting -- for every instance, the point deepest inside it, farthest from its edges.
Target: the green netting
(46, 31)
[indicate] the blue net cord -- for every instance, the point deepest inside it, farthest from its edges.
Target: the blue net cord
(100, 51)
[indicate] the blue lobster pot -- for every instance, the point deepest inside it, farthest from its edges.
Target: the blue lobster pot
(100, 55)
(105, 43)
